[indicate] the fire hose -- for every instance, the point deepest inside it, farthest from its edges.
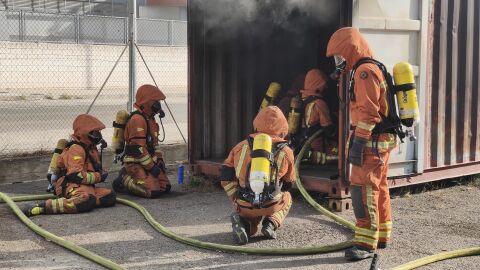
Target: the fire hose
(220, 247)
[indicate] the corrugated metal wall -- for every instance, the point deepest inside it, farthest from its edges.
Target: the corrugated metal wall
(455, 99)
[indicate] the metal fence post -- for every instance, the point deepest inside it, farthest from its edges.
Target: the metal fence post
(132, 39)
(77, 29)
(170, 31)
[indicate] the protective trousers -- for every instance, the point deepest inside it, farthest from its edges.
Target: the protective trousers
(80, 198)
(371, 199)
(276, 212)
(141, 183)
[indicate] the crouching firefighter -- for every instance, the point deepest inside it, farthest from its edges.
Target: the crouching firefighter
(316, 116)
(374, 128)
(78, 169)
(143, 173)
(257, 175)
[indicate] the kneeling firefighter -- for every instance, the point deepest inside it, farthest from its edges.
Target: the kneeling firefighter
(316, 116)
(144, 171)
(375, 126)
(78, 169)
(257, 175)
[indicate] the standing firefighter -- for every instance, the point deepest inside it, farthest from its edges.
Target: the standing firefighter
(144, 172)
(316, 116)
(257, 175)
(79, 169)
(370, 141)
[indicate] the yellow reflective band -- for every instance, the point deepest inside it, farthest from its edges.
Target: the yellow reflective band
(54, 206)
(368, 241)
(91, 178)
(371, 208)
(238, 169)
(77, 157)
(231, 192)
(140, 182)
(365, 126)
(128, 159)
(230, 185)
(60, 203)
(386, 225)
(308, 114)
(70, 204)
(384, 234)
(146, 161)
(366, 232)
(140, 129)
(382, 145)
(80, 175)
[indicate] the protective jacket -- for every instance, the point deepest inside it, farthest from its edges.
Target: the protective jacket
(368, 182)
(272, 122)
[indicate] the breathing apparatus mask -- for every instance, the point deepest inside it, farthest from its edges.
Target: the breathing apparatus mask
(340, 64)
(157, 108)
(96, 138)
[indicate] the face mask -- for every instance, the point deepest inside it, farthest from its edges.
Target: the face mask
(95, 137)
(157, 108)
(340, 64)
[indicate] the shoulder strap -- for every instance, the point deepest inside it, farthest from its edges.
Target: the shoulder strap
(148, 138)
(392, 120)
(96, 166)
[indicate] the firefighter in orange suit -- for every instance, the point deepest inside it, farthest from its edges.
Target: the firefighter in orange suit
(235, 179)
(144, 171)
(80, 169)
(316, 116)
(369, 149)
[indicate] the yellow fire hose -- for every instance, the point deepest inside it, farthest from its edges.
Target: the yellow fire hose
(220, 247)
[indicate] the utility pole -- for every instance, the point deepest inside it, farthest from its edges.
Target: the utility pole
(132, 40)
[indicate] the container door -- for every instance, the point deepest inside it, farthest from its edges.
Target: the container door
(397, 31)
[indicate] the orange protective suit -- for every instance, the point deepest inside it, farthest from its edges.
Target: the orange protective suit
(271, 121)
(368, 183)
(317, 115)
(76, 188)
(142, 152)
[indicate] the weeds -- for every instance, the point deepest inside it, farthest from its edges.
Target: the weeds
(49, 97)
(21, 98)
(65, 97)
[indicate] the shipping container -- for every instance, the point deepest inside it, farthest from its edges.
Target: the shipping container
(236, 48)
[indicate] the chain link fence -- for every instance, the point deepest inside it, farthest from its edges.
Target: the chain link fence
(53, 65)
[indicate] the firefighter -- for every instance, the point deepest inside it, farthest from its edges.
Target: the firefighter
(236, 178)
(369, 148)
(80, 168)
(316, 116)
(284, 102)
(144, 171)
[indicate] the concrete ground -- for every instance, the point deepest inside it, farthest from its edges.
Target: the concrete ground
(424, 224)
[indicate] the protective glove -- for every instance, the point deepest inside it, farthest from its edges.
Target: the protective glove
(278, 190)
(155, 171)
(104, 175)
(355, 153)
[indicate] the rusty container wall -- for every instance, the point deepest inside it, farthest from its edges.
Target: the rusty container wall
(454, 118)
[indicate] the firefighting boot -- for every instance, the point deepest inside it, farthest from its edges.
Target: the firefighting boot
(239, 229)
(356, 253)
(34, 209)
(117, 184)
(269, 229)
